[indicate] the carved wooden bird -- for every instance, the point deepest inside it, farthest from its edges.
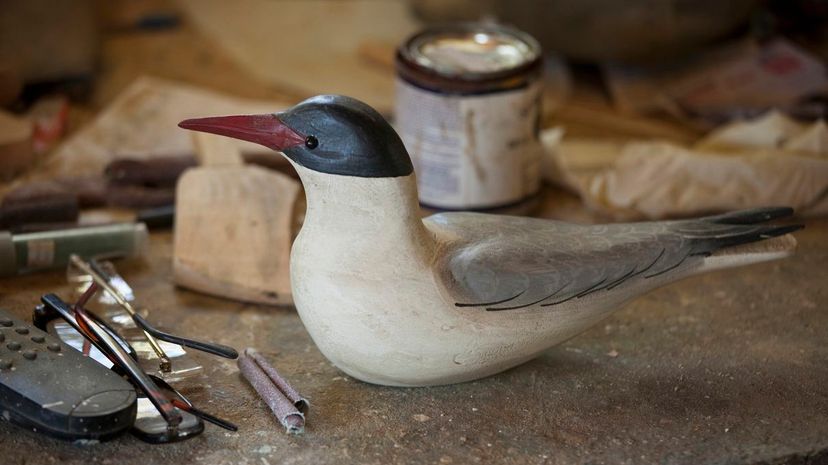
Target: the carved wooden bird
(394, 299)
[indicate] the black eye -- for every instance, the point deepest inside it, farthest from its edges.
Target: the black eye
(311, 142)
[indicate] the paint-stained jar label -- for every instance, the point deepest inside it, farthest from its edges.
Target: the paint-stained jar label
(471, 151)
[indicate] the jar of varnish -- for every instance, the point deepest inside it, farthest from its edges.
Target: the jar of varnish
(468, 108)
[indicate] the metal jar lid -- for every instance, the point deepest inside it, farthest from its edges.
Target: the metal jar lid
(469, 58)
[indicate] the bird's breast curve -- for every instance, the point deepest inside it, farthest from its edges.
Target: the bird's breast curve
(391, 321)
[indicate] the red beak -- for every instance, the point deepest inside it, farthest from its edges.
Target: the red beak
(267, 130)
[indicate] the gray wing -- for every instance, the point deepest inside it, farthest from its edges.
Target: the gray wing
(507, 263)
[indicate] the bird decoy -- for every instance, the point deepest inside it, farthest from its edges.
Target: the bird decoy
(394, 299)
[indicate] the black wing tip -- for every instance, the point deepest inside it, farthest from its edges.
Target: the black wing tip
(752, 216)
(752, 234)
(776, 231)
(713, 233)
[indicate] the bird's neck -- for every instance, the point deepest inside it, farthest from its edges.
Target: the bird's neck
(362, 217)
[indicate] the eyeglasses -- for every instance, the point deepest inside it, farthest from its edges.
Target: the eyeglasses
(172, 407)
(169, 361)
(100, 277)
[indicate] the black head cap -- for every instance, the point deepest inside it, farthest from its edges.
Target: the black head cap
(328, 133)
(345, 136)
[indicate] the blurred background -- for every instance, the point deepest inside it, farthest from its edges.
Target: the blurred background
(632, 110)
(723, 100)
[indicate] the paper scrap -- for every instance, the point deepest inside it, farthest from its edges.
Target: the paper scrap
(771, 160)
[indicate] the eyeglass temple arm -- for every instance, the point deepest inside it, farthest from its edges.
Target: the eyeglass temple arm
(205, 416)
(102, 279)
(209, 347)
(182, 403)
(55, 304)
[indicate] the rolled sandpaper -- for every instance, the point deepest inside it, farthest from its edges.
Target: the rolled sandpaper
(298, 401)
(282, 399)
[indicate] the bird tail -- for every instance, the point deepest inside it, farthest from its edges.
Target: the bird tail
(741, 237)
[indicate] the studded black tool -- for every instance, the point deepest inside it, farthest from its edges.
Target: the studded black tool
(50, 388)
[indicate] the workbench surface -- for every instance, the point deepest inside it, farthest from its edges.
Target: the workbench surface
(725, 368)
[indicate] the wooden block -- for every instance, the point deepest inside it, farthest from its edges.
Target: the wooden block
(214, 150)
(233, 230)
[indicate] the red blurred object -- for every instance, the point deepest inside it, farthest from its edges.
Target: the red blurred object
(49, 117)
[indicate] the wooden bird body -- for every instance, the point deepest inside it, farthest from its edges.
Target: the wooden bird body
(394, 299)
